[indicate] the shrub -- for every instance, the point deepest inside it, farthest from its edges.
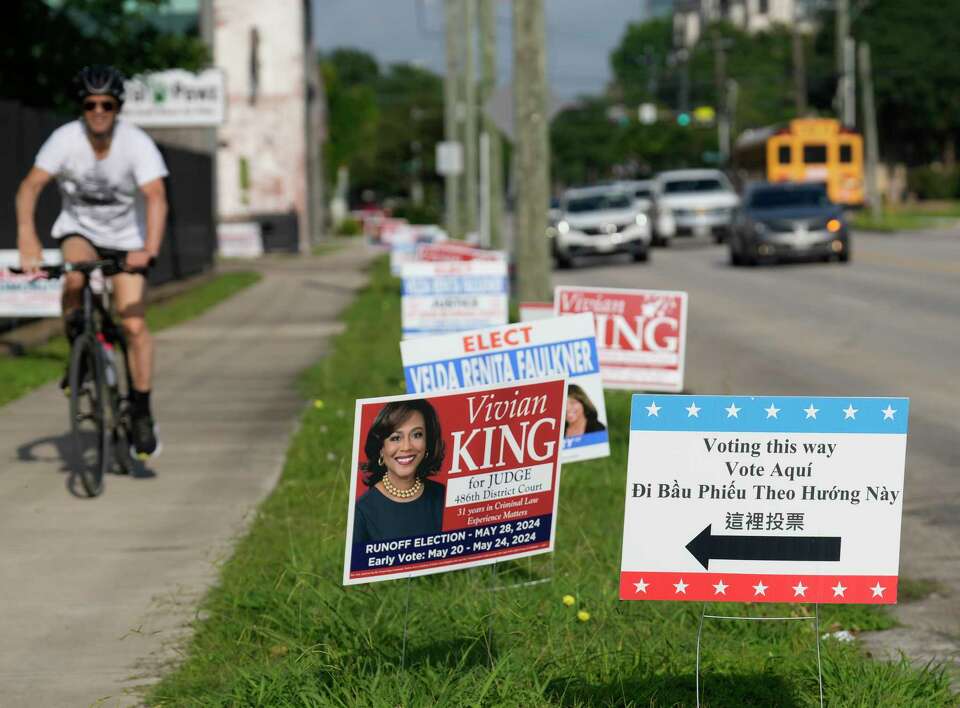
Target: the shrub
(934, 182)
(349, 227)
(422, 214)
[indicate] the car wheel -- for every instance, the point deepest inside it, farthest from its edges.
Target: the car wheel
(735, 259)
(641, 254)
(563, 261)
(844, 256)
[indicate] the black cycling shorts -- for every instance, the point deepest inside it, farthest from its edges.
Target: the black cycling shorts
(108, 253)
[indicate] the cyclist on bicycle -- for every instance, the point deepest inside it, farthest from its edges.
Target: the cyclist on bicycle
(113, 205)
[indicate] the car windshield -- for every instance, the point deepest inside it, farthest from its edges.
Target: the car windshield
(598, 202)
(708, 184)
(783, 198)
(643, 193)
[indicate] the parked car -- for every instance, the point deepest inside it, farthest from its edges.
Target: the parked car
(788, 221)
(692, 203)
(641, 191)
(598, 221)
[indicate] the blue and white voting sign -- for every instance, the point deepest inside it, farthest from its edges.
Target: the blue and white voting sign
(440, 297)
(764, 499)
(521, 352)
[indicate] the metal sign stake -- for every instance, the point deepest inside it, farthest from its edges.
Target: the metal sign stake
(406, 623)
(816, 629)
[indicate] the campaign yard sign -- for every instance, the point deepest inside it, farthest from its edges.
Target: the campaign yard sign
(402, 240)
(489, 464)
(405, 240)
(28, 295)
(641, 334)
(764, 499)
(560, 346)
(441, 297)
(456, 251)
(530, 311)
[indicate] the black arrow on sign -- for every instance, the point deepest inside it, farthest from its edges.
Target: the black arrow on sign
(769, 548)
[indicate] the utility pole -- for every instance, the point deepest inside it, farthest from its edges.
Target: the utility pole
(842, 35)
(720, 84)
(650, 62)
(799, 65)
(451, 101)
(850, 84)
(532, 150)
(869, 130)
(683, 96)
(493, 188)
(469, 79)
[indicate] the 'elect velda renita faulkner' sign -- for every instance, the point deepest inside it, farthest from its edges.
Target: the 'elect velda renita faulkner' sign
(453, 480)
(438, 296)
(764, 499)
(526, 351)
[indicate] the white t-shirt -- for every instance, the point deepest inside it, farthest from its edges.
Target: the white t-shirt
(101, 199)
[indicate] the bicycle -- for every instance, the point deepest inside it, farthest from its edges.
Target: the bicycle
(99, 382)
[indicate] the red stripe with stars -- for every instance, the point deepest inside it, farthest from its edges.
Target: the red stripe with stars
(745, 587)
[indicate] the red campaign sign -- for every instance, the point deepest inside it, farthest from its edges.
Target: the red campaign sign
(488, 463)
(641, 334)
(454, 251)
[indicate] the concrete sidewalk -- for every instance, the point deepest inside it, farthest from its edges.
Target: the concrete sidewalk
(96, 595)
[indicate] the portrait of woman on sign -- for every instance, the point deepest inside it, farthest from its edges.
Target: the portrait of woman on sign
(582, 417)
(404, 447)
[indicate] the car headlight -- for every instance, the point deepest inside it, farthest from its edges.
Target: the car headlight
(760, 228)
(563, 227)
(641, 219)
(834, 225)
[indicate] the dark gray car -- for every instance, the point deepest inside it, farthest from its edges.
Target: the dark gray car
(788, 222)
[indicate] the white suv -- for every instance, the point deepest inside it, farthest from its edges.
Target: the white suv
(692, 202)
(596, 221)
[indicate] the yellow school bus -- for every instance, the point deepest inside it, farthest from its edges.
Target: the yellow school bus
(807, 150)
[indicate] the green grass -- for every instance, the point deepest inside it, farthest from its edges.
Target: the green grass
(37, 366)
(909, 218)
(280, 630)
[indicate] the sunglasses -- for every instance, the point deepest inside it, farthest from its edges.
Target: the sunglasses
(107, 106)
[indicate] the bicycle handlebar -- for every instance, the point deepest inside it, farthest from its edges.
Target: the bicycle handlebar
(109, 266)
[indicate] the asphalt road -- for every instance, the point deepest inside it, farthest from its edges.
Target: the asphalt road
(888, 323)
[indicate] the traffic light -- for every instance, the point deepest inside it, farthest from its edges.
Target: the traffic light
(683, 119)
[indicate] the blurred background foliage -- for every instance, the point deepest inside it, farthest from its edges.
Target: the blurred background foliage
(44, 44)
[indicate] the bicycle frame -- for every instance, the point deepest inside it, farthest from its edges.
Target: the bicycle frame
(99, 326)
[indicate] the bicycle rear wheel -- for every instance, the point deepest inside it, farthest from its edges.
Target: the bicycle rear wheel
(91, 437)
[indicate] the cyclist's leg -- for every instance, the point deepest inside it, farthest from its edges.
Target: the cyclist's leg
(129, 290)
(128, 298)
(75, 248)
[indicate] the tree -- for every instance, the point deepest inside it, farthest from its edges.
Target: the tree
(43, 47)
(384, 125)
(915, 74)
(761, 64)
(352, 119)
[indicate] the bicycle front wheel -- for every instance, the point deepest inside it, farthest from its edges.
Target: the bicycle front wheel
(91, 438)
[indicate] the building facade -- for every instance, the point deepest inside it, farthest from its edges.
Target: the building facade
(690, 17)
(262, 156)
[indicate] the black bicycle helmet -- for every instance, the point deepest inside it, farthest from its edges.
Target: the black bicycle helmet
(99, 80)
